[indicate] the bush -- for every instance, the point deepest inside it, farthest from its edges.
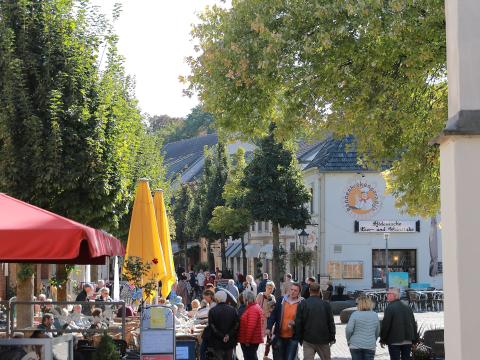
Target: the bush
(106, 349)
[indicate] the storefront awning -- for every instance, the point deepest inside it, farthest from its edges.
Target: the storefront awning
(34, 235)
(253, 250)
(232, 249)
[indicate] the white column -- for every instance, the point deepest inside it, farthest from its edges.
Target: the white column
(87, 274)
(460, 179)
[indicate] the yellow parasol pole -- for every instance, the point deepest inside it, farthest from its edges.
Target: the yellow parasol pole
(143, 237)
(164, 232)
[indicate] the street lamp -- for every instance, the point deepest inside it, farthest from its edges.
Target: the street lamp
(303, 237)
(386, 236)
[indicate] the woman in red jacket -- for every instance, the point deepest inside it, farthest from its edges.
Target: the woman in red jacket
(250, 334)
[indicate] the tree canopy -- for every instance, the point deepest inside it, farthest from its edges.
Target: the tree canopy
(71, 134)
(232, 219)
(169, 129)
(372, 69)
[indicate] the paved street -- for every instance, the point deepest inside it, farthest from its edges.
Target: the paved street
(340, 351)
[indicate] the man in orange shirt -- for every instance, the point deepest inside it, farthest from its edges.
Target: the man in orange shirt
(282, 320)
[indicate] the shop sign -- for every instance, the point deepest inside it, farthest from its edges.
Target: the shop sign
(387, 226)
(362, 200)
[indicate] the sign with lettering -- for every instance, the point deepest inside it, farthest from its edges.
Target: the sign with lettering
(362, 200)
(387, 226)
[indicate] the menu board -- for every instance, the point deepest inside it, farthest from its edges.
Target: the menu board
(352, 270)
(157, 333)
(335, 269)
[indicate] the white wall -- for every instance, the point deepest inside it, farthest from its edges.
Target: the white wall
(339, 229)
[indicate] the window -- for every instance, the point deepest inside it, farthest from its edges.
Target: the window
(399, 260)
(259, 227)
(292, 246)
(311, 201)
(335, 269)
(267, 226)
(253, 226)
(352, 270)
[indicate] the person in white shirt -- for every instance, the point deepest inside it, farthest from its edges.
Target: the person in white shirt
(201, 280)
(251, 285)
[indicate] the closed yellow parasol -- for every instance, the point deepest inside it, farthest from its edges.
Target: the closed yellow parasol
(169, 278)
(143, 237)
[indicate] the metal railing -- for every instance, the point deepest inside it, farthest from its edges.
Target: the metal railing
(69, 321)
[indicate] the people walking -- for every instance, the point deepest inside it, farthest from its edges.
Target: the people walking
(266, 301)
(200, 281)
(251, 331)
(314, 325)
(232, 288)
(223, 323)
(362, 330)
(399, 329)
(286, 284)
(183, 289)
(250, 284)
(306, 287)
(282, 322)
(263, 283)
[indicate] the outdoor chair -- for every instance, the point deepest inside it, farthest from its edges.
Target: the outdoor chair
(414, 301)
(438, 301)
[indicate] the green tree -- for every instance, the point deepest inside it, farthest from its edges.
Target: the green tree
(211, 188)
(373, 69)
(233, 219)
(275, 191)
(70, 134)
(163, 124)
(169, 129)
(182, 205)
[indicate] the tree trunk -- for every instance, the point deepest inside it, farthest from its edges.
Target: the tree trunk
(94, 273)
(276, 257)
(62, 277)
(24, 293)
(244, 256)
(222, 252)
(185, 257)
(211, 259)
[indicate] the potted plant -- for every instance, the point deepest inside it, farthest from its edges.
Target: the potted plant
(107, 349)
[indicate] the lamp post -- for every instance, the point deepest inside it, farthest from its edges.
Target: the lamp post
(386, 236)
(303, 237)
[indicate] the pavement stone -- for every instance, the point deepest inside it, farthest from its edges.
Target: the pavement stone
(340, 350)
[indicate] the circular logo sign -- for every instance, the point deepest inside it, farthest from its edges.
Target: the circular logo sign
(361, 200)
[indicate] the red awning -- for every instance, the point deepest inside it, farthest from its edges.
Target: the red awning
(31, 234)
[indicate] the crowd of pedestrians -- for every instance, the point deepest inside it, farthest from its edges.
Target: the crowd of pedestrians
(243, 311)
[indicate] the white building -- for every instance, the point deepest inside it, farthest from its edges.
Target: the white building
(351, 212)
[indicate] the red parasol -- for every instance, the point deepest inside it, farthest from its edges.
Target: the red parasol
(34, 235)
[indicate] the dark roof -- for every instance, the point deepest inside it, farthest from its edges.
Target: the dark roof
(185, 157)
(336, 155)
(181, 155)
